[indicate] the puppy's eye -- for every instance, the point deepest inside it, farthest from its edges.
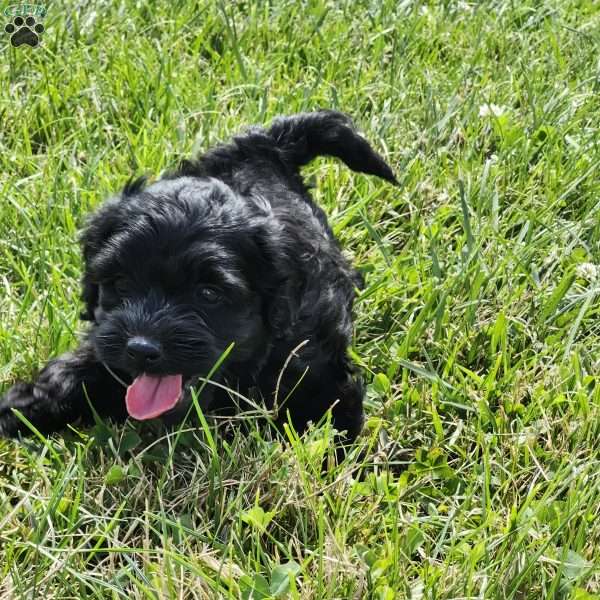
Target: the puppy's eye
(208, 294)
(122, 286)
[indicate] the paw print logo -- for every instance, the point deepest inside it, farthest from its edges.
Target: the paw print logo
(24, 31)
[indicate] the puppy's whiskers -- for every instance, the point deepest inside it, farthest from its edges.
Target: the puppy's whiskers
(114, 375)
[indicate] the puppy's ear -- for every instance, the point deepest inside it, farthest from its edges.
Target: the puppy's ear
(279, 277)
(89, 295)
(291, 280)
(100, 226)
(302, 137)
(282, 310)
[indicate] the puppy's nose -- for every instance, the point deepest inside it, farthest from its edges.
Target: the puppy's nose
(143, 350)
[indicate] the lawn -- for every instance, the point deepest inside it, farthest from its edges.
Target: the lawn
(478, 472)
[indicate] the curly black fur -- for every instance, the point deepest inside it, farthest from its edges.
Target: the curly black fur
(228, 248)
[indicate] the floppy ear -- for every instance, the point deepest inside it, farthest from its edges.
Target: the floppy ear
(302, 137)
(89, 295)
(98, 230)
(101, 225)
(290, 277)
(279, 275)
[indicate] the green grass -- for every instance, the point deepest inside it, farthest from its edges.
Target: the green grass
(478, 330)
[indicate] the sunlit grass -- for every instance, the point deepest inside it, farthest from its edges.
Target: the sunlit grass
(478, 473)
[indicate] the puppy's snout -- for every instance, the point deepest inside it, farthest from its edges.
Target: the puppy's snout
(143, 351)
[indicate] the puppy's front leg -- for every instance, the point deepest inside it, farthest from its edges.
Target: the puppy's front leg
(58, 396)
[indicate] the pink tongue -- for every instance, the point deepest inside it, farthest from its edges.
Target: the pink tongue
(148, 396)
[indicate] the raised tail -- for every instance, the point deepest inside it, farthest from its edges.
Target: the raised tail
(302, 137)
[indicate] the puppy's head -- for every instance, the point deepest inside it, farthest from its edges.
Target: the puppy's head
(175, 274)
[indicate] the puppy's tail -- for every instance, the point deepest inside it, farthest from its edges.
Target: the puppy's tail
(302, 137)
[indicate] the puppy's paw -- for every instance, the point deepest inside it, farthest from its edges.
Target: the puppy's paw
(21, 397)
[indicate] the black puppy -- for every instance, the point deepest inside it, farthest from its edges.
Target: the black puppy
(228, 248)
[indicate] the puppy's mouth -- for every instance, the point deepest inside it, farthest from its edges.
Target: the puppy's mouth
(149, 396)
